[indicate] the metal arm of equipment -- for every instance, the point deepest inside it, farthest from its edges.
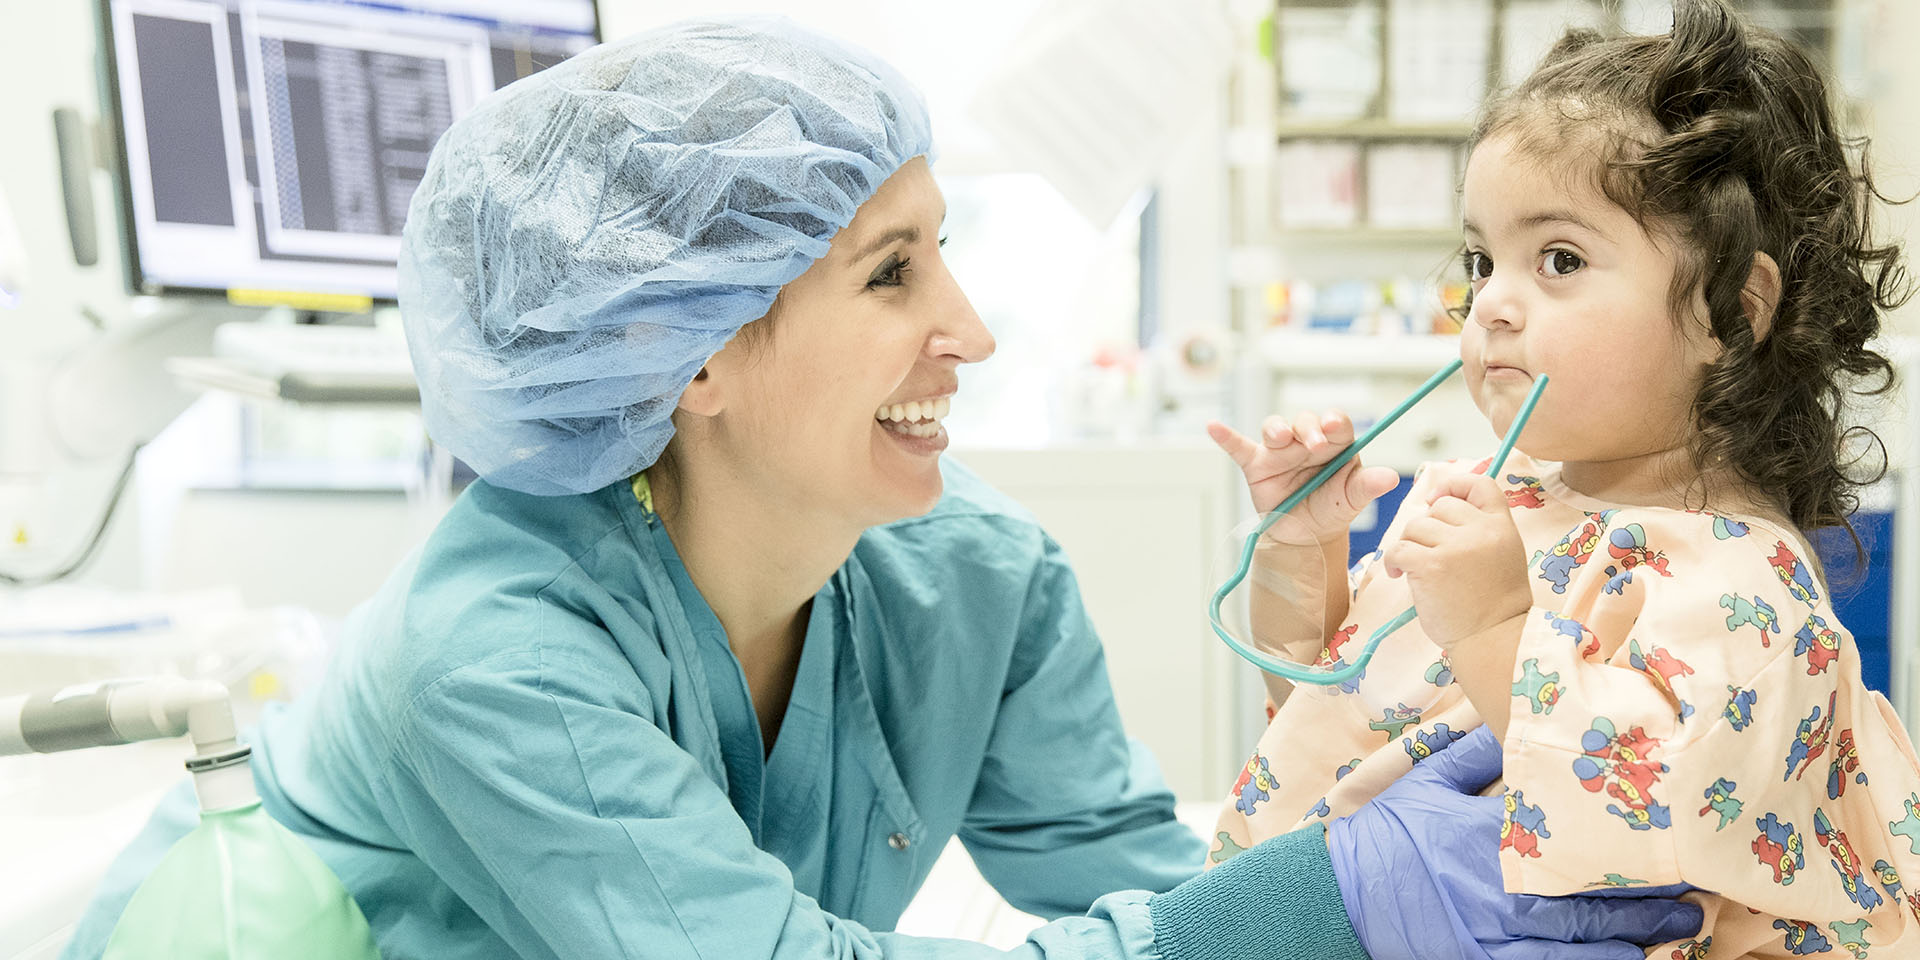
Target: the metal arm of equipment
(1298, 672)
(126, 711)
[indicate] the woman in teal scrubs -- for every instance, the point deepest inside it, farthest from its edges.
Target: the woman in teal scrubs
(718, 653)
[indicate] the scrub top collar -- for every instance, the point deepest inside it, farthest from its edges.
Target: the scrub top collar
(776, 794)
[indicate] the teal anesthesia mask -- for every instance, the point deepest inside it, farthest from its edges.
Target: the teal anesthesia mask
(1328, 675)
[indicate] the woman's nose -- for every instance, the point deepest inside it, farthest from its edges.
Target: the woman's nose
(959, 334)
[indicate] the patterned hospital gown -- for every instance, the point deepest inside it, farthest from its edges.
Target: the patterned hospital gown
(1687, 708)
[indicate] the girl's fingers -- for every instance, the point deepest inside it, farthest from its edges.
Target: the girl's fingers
(1378, 481)
(1366, 484)
(1230, 441)
(1337, 427)
(1276, 433)
(1453, 510)
(1403, 555)
(1306, 427)
(1482, 492)
(1426, 531)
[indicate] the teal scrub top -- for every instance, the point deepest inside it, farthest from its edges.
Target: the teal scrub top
(535, 741)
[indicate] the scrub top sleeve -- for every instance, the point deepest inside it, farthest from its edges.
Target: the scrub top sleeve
(536, 787)
(1067, 808)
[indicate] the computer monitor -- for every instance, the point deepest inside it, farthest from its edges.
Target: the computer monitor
(268, 148)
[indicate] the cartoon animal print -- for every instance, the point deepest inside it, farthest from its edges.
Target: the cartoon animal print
(1720, 800)
(1693, 949)
(1572, 552)
(1817, 642)
(1779, 846)
(1803, 937)
(1889, 879)
(1846, 760)
(1852, 935)
(1623, 766)
(1423, 744)
(1909, 827)
(1659, 665)
(1541, 690)
(1527, 495)
(1225, 849)
(1525, 826)
(1254, 786)
(1395, 720)
(1846, 862)
(1757, 612)
(1575, 631)
(1617, 581)
(1739, 710)
(1810, 741)
(1793, 574)
(1332, 659)
(1628, 546)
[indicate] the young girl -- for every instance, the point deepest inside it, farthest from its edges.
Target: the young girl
(1669, 228)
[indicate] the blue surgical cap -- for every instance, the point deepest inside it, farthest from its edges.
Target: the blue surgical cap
(586, 238)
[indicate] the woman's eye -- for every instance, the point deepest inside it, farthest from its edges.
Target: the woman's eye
(1559, 263)
(891, 274)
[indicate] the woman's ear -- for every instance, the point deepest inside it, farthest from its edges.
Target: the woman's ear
(705, 396)
(1761, 295)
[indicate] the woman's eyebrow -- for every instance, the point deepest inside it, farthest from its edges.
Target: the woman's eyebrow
(909, 234)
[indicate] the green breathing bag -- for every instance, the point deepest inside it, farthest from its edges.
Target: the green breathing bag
(241, 887)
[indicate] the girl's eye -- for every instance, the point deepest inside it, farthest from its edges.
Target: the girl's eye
(1559, 263)
(1479, 266)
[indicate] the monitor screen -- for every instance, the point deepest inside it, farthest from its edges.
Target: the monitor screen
(271, 146)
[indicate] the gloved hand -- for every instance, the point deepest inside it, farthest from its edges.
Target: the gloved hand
(1419, 869)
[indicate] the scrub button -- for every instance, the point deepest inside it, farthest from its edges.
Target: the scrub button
(899, 841)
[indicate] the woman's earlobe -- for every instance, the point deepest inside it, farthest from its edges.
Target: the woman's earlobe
(1760, 297)
(702, 397)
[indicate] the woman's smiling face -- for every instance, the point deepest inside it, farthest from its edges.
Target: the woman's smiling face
(836, 398)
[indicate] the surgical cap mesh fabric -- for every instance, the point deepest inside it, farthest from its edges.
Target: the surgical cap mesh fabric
(585, 238)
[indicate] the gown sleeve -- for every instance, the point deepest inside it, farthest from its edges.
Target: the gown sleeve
(1686, 715)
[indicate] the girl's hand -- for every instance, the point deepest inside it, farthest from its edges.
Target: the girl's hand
(1464, 561)
(1287, 456)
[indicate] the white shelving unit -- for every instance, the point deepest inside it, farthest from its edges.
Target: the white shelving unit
(1386, 110)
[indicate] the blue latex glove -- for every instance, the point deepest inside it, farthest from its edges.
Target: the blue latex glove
(1419, 869)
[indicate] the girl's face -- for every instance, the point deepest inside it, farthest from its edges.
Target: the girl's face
(1567, 284)
(835, 405)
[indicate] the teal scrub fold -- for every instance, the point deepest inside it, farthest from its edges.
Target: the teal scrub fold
(535, 742)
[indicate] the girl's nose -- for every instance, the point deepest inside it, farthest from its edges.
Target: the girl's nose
(1498, 304)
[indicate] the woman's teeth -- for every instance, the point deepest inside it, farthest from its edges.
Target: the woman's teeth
(915, 418)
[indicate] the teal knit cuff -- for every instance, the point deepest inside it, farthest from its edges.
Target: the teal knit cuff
(1277, 901)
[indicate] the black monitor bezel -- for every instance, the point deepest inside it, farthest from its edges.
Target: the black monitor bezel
(115, 126)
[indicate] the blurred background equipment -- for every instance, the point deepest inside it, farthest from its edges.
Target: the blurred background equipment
(13, 259)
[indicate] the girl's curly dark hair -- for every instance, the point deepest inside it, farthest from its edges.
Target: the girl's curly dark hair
(1719, 135)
